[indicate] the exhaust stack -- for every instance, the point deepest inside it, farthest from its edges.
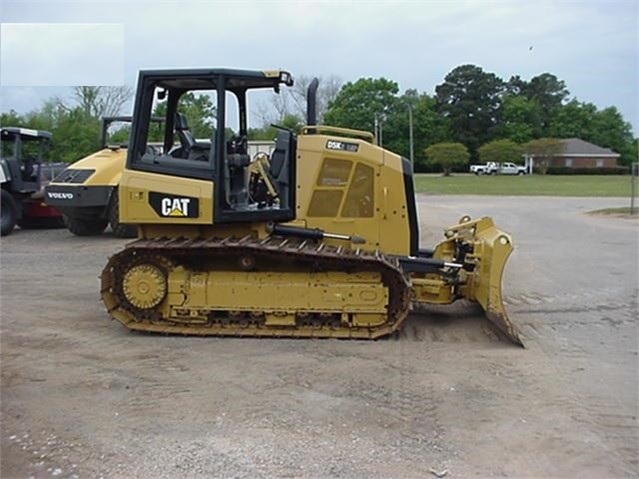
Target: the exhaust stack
(311, 102)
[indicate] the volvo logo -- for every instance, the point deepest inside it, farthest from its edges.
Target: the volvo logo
(54, 195)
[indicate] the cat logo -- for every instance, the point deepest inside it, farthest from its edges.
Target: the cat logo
(171, 206)
(175, 206)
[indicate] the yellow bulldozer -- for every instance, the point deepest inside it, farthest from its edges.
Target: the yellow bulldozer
(318, 240)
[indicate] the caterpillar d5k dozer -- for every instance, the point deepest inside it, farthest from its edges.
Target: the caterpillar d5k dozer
(318, 240)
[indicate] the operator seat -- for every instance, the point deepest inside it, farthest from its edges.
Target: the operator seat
(27, 168)
(186, 137)
(280, 169)
(278, 156)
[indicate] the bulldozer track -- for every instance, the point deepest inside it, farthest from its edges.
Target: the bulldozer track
(246, 254)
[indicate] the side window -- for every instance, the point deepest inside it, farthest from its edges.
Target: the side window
(331, 183)
(193, 130)
(334, 172)
(30, 149)
(340, 185)
(232, 121)
(325, 203)
(6, 146)
(360, 199)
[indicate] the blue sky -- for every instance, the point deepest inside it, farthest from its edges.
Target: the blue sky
(592, 46)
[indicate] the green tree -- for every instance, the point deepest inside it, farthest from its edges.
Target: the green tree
(546, 91)
(120, 136)
(447, 156)
(75, 135)
(358, 103)
(521, 118)
(199, 111)
(605, 128)
(501, 151)
(471, 99)
(292, 122)
(543, 150)
(11, 118)
(516, 86)
(428, 127)
(550, 93)
(268, 132)
(573, 120)
(74, 123)
(610, 130)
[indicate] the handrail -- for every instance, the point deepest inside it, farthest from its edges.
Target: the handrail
(366, 135)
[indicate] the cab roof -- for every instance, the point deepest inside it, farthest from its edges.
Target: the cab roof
(8, 132)
(205, 78)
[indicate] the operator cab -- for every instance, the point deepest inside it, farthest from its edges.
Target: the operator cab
(22, 150)
(205, 118)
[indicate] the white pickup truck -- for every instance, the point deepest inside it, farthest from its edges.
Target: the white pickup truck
(511, 169)
(489, 168)
(494, 168)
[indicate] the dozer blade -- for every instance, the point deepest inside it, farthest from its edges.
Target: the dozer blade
(488, 249)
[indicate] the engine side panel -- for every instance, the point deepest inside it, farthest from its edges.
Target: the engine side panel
(352, 187)
(152, 198)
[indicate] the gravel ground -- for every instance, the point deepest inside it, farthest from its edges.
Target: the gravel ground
(82, 397)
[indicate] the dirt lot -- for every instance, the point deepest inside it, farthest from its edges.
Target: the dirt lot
(82, 397)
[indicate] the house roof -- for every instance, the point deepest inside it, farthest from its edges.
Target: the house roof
(579, 147)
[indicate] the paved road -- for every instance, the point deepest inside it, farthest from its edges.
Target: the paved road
(81, 397)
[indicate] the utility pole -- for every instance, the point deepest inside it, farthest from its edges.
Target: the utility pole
(410, 138)
(379, 128)
(634, 175)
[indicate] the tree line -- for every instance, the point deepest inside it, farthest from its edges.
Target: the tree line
(486, 115)
(74, 122)
(482, 113)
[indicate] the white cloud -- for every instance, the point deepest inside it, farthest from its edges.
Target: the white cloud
(51, 54)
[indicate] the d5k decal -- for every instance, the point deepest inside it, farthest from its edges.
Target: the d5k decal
(172, 206)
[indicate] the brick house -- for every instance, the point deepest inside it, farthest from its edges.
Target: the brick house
(578, 153)
(581, 154)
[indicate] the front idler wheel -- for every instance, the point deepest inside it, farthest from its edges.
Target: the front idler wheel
(144, 286)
